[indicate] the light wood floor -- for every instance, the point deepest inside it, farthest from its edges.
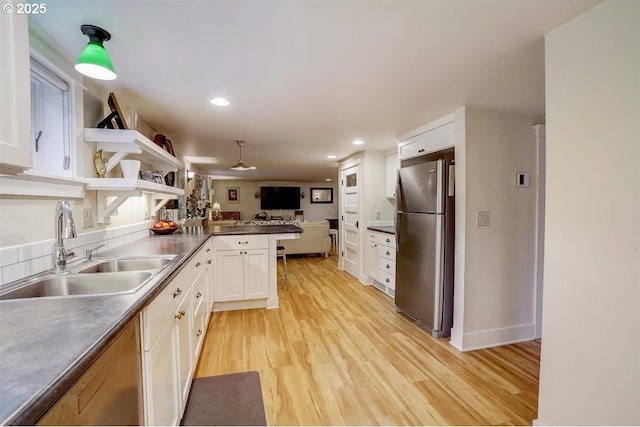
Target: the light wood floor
(336, 353)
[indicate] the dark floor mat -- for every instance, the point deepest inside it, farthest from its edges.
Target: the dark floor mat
(226, 400)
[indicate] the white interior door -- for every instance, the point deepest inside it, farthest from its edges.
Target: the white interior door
(350, 227)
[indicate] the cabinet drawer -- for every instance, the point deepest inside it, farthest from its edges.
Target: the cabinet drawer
(386, 252)
(386, 265)
(199, 293)
(242, 242)
(158, 313)
(386, 239)
(386, 279)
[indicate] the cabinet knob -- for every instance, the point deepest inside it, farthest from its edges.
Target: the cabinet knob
(388, 281)
(388, 253)
(388, 241)
(208, 249)
(198, 264)
(388, 266)
(198, 295)
(209, 262)
(199, 333)
(177, 292)
(180, 314)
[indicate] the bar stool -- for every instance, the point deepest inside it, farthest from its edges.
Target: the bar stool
(281, 253)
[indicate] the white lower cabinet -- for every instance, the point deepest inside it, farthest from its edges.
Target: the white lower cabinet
(173, 327)
(241, 268)
(183, 320)
(161, 380)
(382, 261)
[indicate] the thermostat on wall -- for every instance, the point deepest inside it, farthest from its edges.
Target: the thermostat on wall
(522, 179)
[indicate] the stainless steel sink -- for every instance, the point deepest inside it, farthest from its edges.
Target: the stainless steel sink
(131, 264)
(80, 284)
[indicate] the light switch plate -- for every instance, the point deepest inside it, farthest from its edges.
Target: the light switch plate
(482, 218)
(87, 218)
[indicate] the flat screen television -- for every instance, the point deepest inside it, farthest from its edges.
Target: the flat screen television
(279, 198)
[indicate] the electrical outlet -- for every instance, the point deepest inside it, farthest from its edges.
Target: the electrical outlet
(87, 218)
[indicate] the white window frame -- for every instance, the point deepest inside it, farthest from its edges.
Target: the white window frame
(46, 74)
(37, 184)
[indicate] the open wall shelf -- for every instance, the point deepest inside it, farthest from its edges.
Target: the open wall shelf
(130, 144)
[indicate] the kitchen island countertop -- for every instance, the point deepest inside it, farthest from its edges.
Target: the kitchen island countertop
(47, 343)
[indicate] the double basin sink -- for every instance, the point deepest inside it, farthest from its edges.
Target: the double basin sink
(102, 276)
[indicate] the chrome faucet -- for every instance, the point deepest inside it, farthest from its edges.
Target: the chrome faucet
(65, 229)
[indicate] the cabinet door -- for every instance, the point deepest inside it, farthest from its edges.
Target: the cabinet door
(162, 387)
(256, 277)
(229, 267)
(183, 322)
(15, 110)
(373, 259)
(200, 310)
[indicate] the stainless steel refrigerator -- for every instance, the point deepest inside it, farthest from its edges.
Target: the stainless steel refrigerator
(424, 243)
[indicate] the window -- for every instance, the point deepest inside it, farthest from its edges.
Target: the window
(50, 128)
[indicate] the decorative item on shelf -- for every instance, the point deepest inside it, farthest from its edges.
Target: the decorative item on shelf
(146, 175)
(302, 195)
(257, 195)
(130, 168)
(163, 142)
(190, 175)
(115, 120)
(132, 118)
(101, 167)
(158, 178)
(94, 61)
(170, 179)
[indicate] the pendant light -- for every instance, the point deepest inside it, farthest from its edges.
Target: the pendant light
(94, 61)
(240, 166)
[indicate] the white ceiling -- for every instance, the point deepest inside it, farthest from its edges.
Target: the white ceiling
(306, 78)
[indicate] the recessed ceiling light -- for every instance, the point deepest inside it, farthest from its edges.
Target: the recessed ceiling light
(220, 102)
(331, 156)
(358, 142)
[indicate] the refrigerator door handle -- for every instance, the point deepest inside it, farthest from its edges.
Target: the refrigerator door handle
(397, 233)
(452, 181)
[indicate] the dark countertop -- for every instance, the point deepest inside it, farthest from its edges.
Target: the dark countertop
(46, 344)
(221, 230)
(389, 229)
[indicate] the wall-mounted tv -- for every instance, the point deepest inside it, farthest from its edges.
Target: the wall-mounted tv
(279, 198)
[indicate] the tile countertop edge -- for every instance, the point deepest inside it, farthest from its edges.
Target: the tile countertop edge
(32, 409)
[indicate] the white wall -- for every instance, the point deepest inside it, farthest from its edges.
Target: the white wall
(590, 362)
(249, 205)
(495, 265)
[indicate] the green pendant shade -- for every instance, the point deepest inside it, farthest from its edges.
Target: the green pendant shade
(94, 61)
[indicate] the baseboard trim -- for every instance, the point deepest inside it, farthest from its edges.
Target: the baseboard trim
(496, 337)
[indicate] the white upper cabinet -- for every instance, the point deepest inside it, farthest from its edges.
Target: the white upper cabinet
(15, 127)
(434, 136)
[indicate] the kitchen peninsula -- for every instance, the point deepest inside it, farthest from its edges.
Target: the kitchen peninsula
(48, 344)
